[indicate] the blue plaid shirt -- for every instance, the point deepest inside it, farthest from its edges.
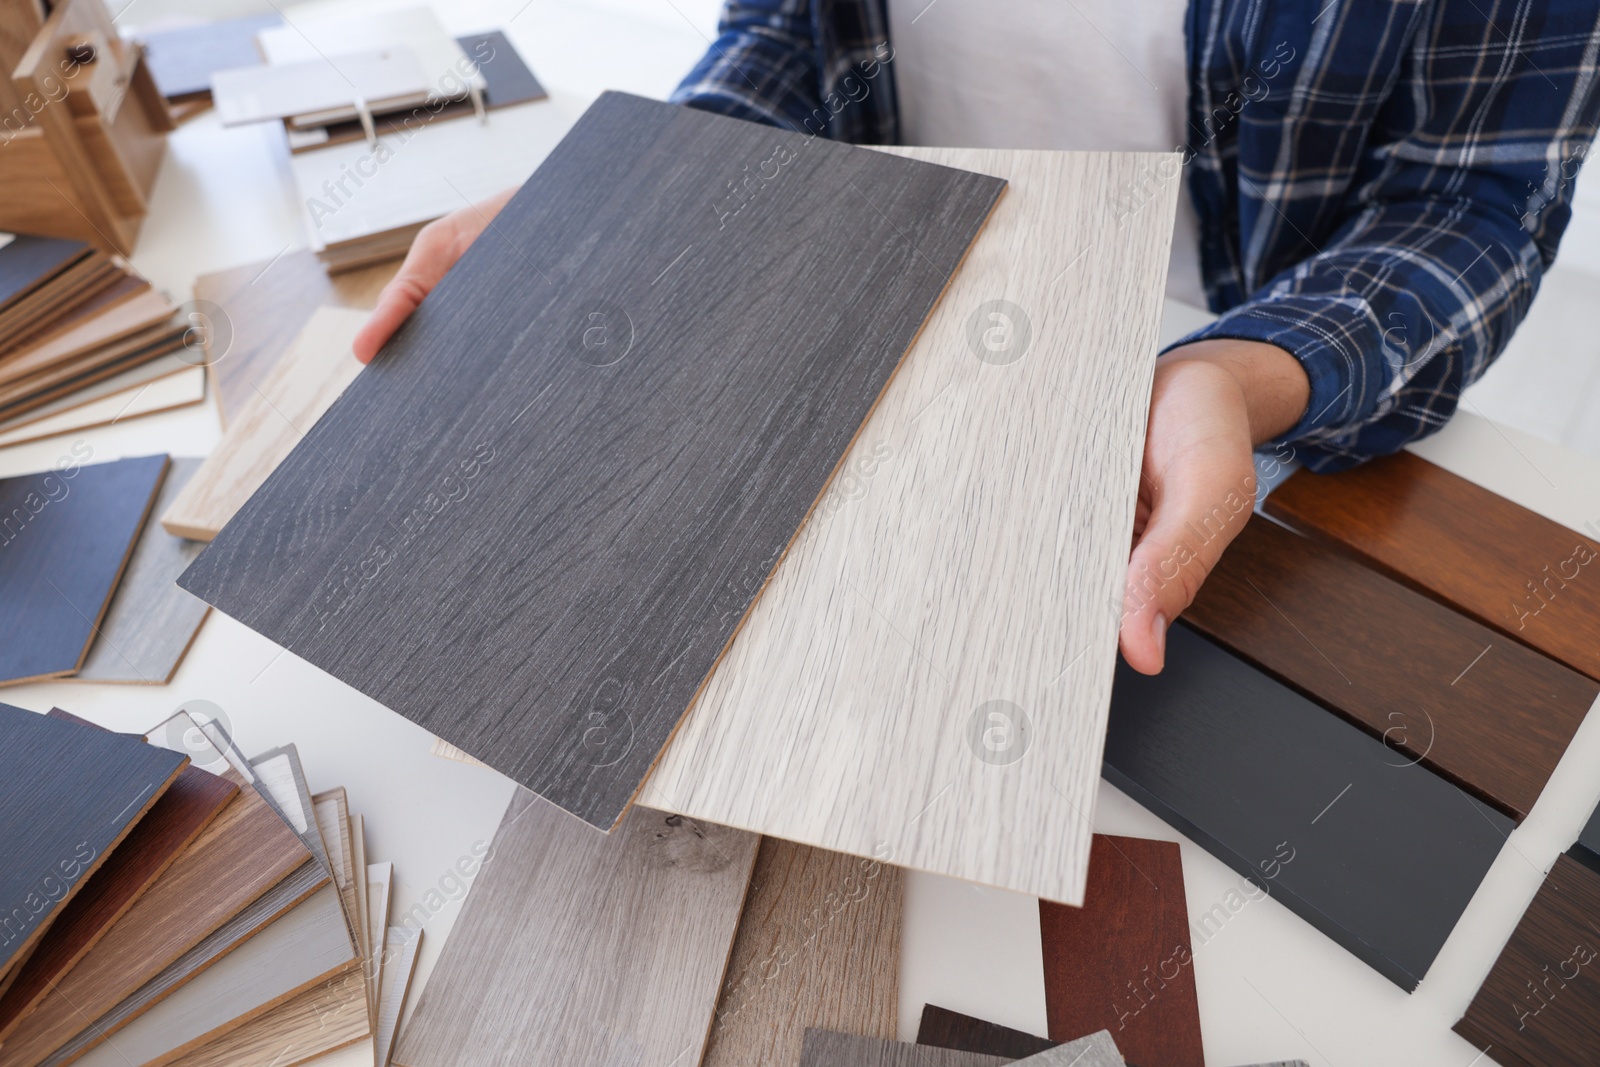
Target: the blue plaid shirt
(1380, 183)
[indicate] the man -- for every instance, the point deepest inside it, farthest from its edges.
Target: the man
(1375, 188)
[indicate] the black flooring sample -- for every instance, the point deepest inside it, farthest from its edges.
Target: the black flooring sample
(1380, 854)
(535, 522)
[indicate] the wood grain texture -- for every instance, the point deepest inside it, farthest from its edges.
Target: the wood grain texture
(332, 810)
(566, 660)
(283, 778)
(27, 262)
(150, 622)
(130, 317)
(944, 1028)
(245, 851)
(102, 291)
(168, 389)
(818, 946)
(187, 807)
(65, 537)
(380, 880)
(358, 857)
(70, 793)
(1540, 1005)
(1509, 568)
(924, 679)
(1490, 715)
(585, 947)
(826, 1048)
(399, 964)
(1379, 854)
(329, 1016)
(69, 377)
(1123, 961)
(309, 378)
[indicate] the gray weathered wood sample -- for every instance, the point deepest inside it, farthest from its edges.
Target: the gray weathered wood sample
(585, 948)
(826, 1048)
(533, 524)
(150, 623)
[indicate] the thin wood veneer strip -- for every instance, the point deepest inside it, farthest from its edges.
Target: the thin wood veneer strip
(888, 695)
(1491, 715)
(709, 368)
(585, 947)
(1509, 568)
(399, 964)
(818, 946)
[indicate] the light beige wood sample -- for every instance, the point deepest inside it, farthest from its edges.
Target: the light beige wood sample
(380, 880)
(148, 309)
(399, 964)
(818, 946)
(585, 948)
(329, 1016)
(127, 384)
(358, 863)
(284, 779)
(68, 376)
(448, 751)
(926, 677)
(304, 384)
(332, 812)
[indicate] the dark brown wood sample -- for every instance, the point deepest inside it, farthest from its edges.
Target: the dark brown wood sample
(69, 794)
(944, 1028)
(187, 807)
(638, 384)
(1380, 856)
(1123, 962)
(1507, 567)
(1540, 1005)
(65, 536)
(827, 1048)
(1490, 715)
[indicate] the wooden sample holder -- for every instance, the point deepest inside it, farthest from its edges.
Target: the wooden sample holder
(82, 126)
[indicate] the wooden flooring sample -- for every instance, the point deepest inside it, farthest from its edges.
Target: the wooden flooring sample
(147, 310)
(585, 947)
(826, 1048)
(662, 400)
(329, 1016)
(64, 541)
(27, 262)
(333, 819)
(944, 1028)
(888, 695)
(283, 778)
(1380, 855)
(1491, 715)
(245, 851)
(1123, 962)
(818, 946)
(1540, 1004)
(380, 880)
(309, 378)
(70, 794)
(188, 806)
(399, 964)
(1507, 567)
(168, 392)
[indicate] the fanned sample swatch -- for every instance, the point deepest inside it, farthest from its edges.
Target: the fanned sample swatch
(1378, 853)
(642, 384)
(1508, 567)
(399, 964)
(585, 947)
(925, 679)
(328, 1016)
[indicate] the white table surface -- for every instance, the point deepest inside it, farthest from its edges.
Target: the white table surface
(1270, 986)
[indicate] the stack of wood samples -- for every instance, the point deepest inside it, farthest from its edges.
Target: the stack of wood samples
(709, 432)
(182, 60)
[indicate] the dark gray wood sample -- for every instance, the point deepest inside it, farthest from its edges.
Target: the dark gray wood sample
(1377, 852)
(65, 536)
(182, 60)
(535, 522)
(27, 262)
(68, 795)
(826, 1048)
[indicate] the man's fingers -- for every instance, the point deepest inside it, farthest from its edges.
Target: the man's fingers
(395, 304)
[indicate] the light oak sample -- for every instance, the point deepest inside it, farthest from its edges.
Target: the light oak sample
(328, 1016)
(818, 946)
(380, 881)
(399, 964)
(358, 859)
(332, 812)
(164, 383)
(585, 948)
(309, 378)
(446, 750)
(926, 676)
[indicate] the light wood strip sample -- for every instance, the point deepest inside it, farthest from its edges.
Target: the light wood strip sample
(1123, 961)
(818, 946)
(65, 537)
(446, 750)
(1378, 853)
(399, 964)
(284, 780)
(1540, 1004)
(663, 399)
(585, 947)
(1509, 568)
(332, 812)
(297, 952)
(358, 857)
(925, 679)
(245, 851)
(380, 881)
(826, 1048)
(167, 392)
(944, 1028)
(128, 381)
(109, 361)
(144, 311)
(328, 1016)
(100, 292)
(150, 623)
(309, 378)
(261, 308)
(1491, 715)
(70, 793)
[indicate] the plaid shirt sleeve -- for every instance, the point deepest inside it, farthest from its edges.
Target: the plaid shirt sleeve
(1458, 194)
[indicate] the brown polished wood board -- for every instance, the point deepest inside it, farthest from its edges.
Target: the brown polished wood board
(1540, 1004)
(637, 385)
(1491, 715)
(69, 793)
(1509, 568)
(65, 536)
(1380, 854)
(1123, 962)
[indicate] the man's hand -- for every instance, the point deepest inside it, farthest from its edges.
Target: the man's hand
(1213, 401)
(437, 247)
